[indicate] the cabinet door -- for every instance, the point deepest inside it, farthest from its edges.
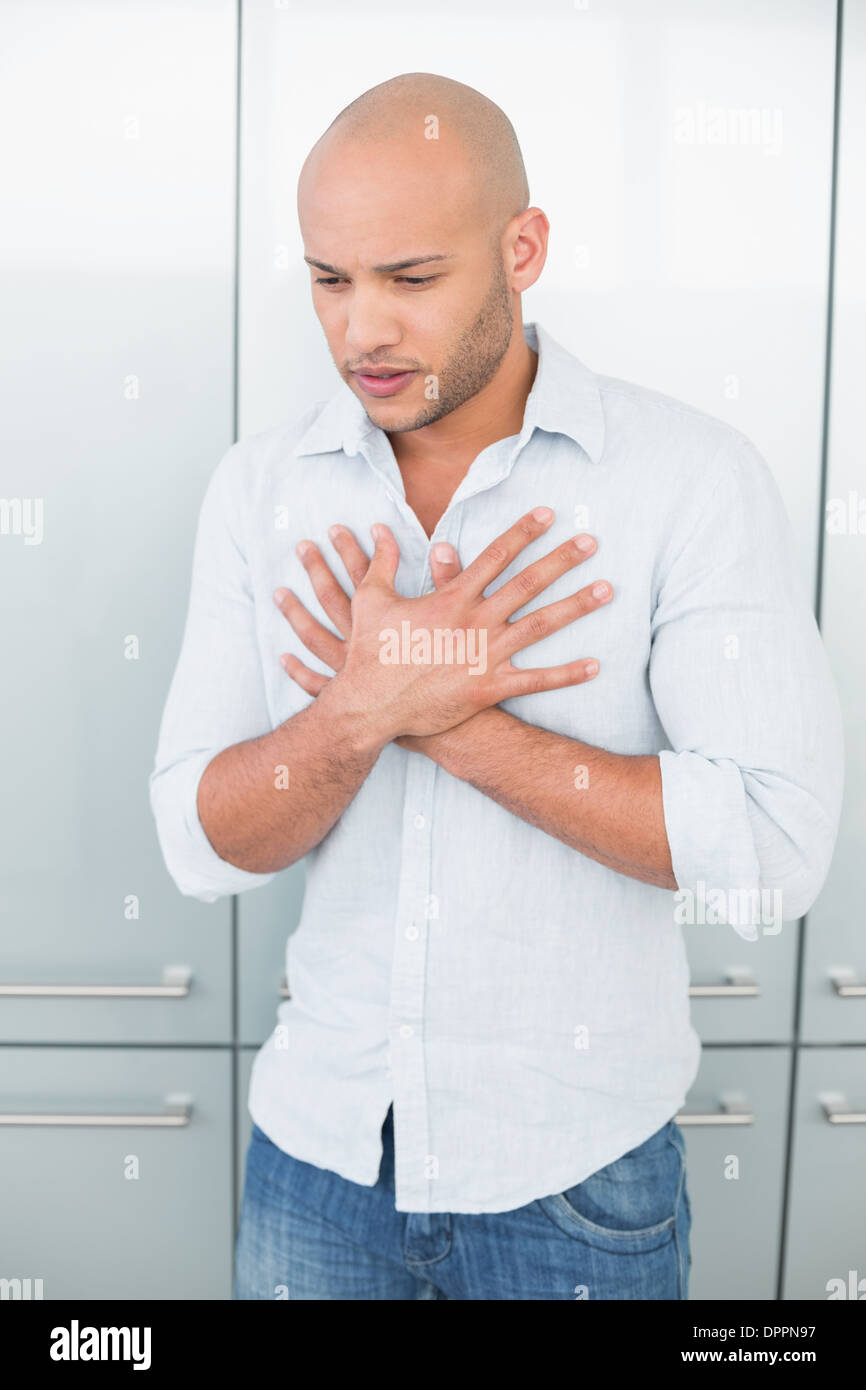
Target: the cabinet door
(834, 978)
(117, 363)
(734, 1123)
(117, 1168)
(825, 1252)
(266, 919)
(742, 991)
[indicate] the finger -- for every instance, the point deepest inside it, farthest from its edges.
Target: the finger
(524, 631)
(444, 563)
(311, 681)
(386, 557)
(315, 637)
(356, 561)
(498, 555)
(516, 682)
(518, 591)
(334, 600)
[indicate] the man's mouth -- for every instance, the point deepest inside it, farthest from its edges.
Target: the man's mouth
(383, 381)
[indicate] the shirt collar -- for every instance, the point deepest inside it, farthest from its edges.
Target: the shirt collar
(564, 399)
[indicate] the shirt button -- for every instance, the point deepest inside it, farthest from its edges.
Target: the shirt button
(412, 933)
(419, 822)
(406, 1030)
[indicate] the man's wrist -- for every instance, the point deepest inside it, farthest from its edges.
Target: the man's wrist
(355, 726)
(446, 748)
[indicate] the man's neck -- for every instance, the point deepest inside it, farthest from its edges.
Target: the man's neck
(449, 445)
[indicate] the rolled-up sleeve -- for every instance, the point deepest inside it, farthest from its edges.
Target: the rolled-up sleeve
(216, 697)
(752, 782)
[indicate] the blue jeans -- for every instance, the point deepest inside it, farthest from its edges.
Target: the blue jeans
(622, 1233)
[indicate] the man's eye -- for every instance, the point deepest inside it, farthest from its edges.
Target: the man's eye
(331, 281)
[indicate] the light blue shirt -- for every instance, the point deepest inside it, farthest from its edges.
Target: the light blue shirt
(525, 1008)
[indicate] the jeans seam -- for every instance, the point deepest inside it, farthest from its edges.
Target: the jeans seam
(677, 1238)
(409, 1260)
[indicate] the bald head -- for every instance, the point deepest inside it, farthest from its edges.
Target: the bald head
(455, 134)
(413, 210)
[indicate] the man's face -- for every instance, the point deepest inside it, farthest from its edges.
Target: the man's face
(440, 325)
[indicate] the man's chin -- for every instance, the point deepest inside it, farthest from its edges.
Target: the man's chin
(398, 418)
(399, 424)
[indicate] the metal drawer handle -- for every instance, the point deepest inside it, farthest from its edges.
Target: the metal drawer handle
(176, 980)
(177, 1112)
(846, 984)
(837, 1110)
(284, 988)
(741, 984)
(733, 1111)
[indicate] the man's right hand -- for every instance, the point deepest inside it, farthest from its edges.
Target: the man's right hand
(390, 698)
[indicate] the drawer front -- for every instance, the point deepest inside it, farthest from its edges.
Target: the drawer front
(735, 1170)
(108, 980)
(266, 919)
(742, 991)
(834, 970)
(826, 1242)
(139, 1209)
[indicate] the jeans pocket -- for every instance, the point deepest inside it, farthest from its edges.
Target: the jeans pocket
(631, 1204)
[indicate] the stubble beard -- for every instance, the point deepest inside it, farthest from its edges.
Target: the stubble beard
(474, 361)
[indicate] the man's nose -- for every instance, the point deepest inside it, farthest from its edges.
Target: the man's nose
(371, 324)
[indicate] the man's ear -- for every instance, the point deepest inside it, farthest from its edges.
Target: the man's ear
(526, 248)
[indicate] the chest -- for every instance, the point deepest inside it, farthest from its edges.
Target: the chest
(614, 711)
(428, 493)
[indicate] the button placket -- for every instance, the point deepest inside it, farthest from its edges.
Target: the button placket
(408, 983)
(406, 1066)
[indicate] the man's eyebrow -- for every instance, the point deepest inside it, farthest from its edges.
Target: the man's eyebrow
(383, 269)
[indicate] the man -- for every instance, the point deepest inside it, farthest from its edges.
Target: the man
(578, 680)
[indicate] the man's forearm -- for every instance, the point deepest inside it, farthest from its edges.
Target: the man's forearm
(607, 806)
(267, 802)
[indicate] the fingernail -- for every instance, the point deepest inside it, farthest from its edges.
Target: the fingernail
(376, 531)
(585, 543)
(334, 531)
(600, 590)
(591, 667)
(542, 514)
(280, 594)
(443, 552)
(302, 547)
